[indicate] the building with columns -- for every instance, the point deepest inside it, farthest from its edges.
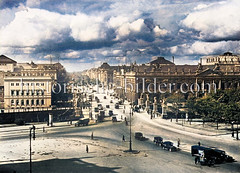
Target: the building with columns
(161, 75)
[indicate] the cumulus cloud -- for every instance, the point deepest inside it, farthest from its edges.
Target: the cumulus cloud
(220, 21)
(206, 48)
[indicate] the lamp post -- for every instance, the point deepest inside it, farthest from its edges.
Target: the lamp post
(32, 130)
(130, 141)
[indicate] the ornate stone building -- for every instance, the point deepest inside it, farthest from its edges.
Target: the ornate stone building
(160, 76)
(28, 85)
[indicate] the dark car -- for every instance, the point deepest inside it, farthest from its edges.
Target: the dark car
(114, 119)
(104, 97)
(110, 113)
(111, 101)
(107, 106)
(116, 106)
(139, 136)
(169, 146)
(82, 122)
(158, 140)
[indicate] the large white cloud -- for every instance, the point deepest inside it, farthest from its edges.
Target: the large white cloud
(217, 21)
(206, 48)
(31, 26)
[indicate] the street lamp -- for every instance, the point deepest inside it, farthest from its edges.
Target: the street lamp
(130, 141)
(31, 135)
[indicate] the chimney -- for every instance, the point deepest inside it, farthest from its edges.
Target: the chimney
(173, 59)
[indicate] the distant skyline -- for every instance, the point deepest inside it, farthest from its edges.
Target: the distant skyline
(85, 33)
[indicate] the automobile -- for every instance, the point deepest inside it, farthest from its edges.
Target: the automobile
(169, 146)
(114, 119)
(104, 97)
(110, 113)
(107, 106)
(204, 155)
(136, 109)
(82, 122)
(139, 136)
(116, 106)
(158, 140)
(111, 101)
(100, 107)
(96, 109)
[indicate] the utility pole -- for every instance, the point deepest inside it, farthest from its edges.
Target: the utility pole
(30, 137)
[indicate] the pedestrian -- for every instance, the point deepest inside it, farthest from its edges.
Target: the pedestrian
(233, 134)
(196, 160)
(123, 138)
(92, 136)
(87, 148)
(199, 143)
(178, 142)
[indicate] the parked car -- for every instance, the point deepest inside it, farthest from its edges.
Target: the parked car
(116, 106)
(107, 106)
(82, 122)
(96, 109)
(139, 136)
(111, 101)
(110, 113)
(114, 119)
(169, 146)
(158, 140)
(104, 97)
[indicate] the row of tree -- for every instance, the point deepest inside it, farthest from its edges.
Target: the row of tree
(222, 106)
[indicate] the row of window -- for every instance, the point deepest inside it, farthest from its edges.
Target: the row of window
(26, 92)
(27, 102)
(27, 84)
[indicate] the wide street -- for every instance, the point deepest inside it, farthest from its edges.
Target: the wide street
(62, 147)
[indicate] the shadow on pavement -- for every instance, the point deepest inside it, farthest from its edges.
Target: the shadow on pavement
(73, 165)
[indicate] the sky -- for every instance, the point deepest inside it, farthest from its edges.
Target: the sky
(82, 34)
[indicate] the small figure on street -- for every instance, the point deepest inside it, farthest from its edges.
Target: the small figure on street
(196, 160)
(43, 129)
(92, 136)
(178, 142)
(125, 119)
(87, 148)
(199, 143)
(233, 134)
(123, 138)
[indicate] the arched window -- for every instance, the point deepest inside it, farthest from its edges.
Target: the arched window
(42, 102)
(17, 102)
(22, 102)
(32, 102)
(37, 102)
(27, 102)
(12, 102)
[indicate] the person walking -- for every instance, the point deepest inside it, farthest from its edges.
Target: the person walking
(87, 148)
(92, 136)
(199, 143)
(178, 142)
(123, 138)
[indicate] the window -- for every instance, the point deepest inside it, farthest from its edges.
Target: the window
(42, 102)
(37, 84)
(12, 92)
(37, 102)
(17, 102)
(17, 93)
(12, 102)
(37, 92)
(17, 84)
(32, 92)
(27, 92)
(27, 102)
(42, 84)
(21, 93)
(32, 102)
(12, 84)
(42, 92)
(22, 102)
(32, 84)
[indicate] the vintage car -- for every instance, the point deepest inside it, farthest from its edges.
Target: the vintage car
(82, 122)
(168, 145)
(158, 140)
(110, 113)
(139, 136)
